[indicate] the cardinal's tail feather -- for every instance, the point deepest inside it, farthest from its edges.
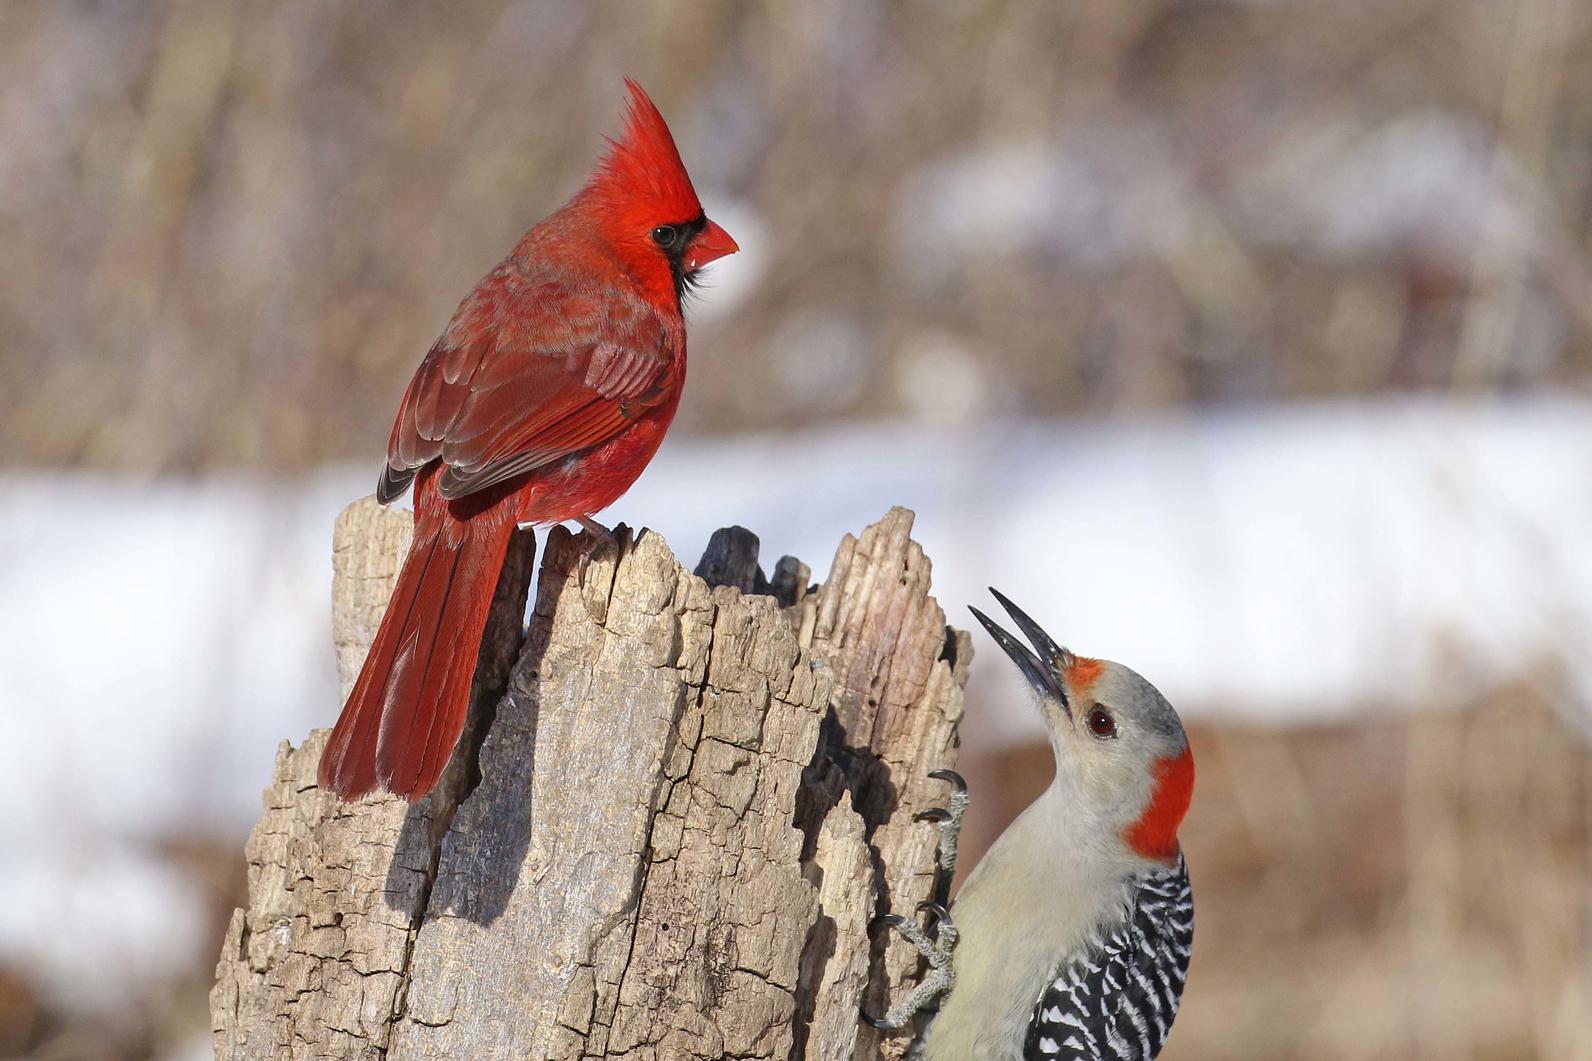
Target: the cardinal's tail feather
(408, 706)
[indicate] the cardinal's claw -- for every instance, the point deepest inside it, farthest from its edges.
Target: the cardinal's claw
(602, 537)
(597, 530)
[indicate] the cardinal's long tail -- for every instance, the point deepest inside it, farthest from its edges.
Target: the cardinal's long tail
(408, 706)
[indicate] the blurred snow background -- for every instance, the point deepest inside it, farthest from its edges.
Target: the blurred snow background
(1248, 343)
(1293, 567)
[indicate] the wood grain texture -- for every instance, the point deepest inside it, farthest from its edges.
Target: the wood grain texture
(684, 799)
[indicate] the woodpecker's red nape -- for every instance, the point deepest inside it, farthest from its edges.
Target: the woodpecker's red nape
(1154, 834)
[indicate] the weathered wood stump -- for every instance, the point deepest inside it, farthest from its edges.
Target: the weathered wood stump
(680, 799)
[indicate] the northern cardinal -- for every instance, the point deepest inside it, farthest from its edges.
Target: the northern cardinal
(543, 400)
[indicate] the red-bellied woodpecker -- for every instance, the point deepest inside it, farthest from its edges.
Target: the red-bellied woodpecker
(1072, 935)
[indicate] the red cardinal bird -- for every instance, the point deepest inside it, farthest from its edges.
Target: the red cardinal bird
(543, 400)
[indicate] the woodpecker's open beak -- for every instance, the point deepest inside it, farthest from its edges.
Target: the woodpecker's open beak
(1043, 671)
(711, 244)
(1059, 658)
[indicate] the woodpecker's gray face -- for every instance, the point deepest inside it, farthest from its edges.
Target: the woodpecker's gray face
(1122, 757)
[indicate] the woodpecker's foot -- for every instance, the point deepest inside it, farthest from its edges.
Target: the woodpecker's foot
(936, 950)
(949, 819)
(938, 941)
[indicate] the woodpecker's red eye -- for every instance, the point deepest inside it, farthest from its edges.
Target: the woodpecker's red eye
(1101, 724)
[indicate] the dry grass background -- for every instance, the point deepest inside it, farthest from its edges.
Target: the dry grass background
(228, 230)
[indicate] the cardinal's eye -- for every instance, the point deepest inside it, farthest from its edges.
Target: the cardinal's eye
(1101, 724)
(664, 235)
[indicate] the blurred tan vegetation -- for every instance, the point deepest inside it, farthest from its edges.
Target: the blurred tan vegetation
(232, 229)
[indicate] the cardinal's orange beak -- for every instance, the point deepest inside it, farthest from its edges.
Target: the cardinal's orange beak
(711, 244)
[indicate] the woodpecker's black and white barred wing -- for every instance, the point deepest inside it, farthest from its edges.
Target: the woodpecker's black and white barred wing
(1117, 1003)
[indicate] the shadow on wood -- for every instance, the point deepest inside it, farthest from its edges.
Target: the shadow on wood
(680, 799)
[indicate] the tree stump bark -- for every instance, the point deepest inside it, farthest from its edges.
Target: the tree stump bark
(679, 801)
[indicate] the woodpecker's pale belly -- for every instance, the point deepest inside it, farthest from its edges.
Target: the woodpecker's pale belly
(1043, 973)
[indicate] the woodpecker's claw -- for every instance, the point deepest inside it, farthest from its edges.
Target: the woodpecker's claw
(949, 819)
(943, 929)
(935, 946)
(893, 920)
(936, 942)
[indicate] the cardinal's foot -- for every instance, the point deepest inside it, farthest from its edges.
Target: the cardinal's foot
(936, 950)
(603, 541)
(597, 530)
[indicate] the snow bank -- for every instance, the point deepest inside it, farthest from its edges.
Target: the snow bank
(161, 638)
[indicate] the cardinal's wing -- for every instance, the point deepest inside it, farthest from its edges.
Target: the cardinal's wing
(526, 374)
